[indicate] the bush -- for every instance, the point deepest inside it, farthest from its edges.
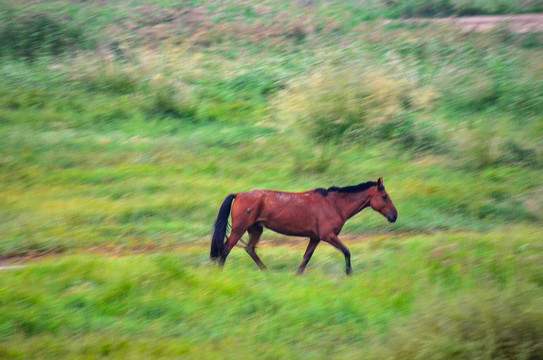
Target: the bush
(434, 8)
(334, 105)
(360, 106)
(37, 34)
(170, 99)
(477, 325)
(259, 81)
(421, 8)
(486, 145)
(410, 135)
(515, 154)
(102, 74)
(478, 148)
(469, 90)
(522, 93)
(470, 7)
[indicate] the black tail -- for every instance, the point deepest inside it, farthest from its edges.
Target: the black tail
(219, 232)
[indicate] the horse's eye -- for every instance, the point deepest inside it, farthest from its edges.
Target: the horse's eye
(384, 197)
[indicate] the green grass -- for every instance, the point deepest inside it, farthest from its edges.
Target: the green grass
(119, 306)
(64, 189)
(124, 126)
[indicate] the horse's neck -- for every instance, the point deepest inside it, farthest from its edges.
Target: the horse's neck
(351, 204)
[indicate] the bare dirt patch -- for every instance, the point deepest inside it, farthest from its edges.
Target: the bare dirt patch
(12, 264)
(18, 261)
(520, 24)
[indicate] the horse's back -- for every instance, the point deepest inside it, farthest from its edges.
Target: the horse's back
(273, 198)
(284, 212)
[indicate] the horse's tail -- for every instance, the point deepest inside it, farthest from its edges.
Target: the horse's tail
(219, 229)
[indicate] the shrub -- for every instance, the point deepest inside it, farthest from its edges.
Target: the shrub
(360, 106)
(170, 99)
(522, 93)
(331, 104)
(482, 148)
(465, 7)
(409, 134)
(478, 148)
(425, 8)
(105, 75)
(477, 325)
(431, 8)
(160, 95)
(468, 90)
(37, 34)
(259, 81)
(515, 153)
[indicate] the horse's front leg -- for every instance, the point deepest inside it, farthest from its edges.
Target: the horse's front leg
(313, 242)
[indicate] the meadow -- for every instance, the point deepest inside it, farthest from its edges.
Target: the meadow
(125, 124)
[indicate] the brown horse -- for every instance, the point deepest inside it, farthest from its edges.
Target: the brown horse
(318, 214)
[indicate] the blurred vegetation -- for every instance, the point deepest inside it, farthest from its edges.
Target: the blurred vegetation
(429, 8)
(31, 35)
(125, 124)
(449, 296)
(139, 137)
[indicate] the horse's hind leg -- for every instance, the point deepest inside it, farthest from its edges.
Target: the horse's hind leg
(255, 231)
(242, 220)
(234, 237)
(335, 242)
(240, 223)
(308, 253)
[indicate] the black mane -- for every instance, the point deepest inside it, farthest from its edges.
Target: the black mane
(347, 189)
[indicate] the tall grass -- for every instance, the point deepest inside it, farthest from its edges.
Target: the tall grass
(450, 295)
(139, 151)
(37, 34)
(482, 324)
(125, 124)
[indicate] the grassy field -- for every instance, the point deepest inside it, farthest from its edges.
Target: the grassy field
(443, 296)
(124, 125)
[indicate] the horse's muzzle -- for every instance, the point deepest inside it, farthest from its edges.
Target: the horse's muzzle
(392, 217)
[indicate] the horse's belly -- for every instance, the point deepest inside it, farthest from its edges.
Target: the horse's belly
(288, 231)
(289, 214)
(290, 225)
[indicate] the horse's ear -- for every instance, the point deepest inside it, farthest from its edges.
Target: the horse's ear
(380, 184)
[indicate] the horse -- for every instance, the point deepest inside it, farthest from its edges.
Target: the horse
(318, 214)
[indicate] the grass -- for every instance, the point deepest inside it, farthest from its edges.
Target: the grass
(124, 125)
(118, 306)
(68, 189)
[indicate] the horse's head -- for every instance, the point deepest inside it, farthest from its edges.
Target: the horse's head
(381, 202)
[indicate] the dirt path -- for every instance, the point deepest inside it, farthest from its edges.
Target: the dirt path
(14, 262)
(520, 24)
(11, 264)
